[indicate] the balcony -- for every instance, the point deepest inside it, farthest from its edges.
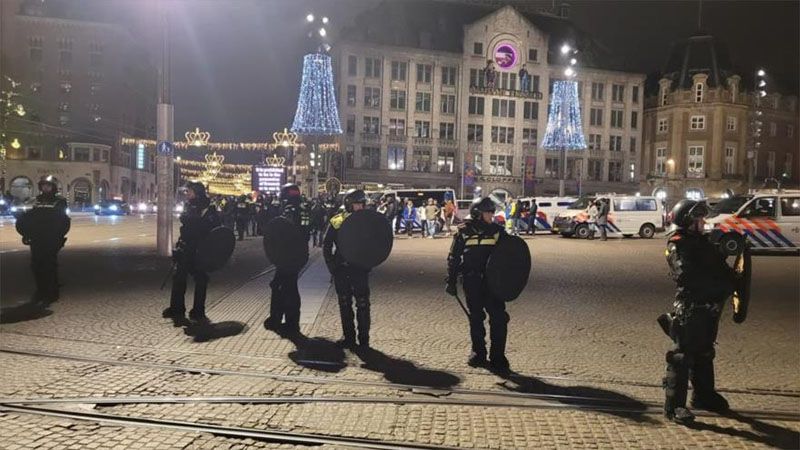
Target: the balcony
(499, 178)
(504, 92)
(447, 143)
(398, 139)
(424, 141)
(528, 148)
(370, 137)
(474, 146)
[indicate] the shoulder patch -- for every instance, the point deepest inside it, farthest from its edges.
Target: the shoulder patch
(337, 220)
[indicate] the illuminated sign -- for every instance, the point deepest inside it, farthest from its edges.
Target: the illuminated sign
(268, 178)
(505, 55)
(140, 156)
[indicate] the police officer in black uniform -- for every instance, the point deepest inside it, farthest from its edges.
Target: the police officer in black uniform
(704, 282)
(349, 281)
(468, 256)
(44, 228)
(197, 220)
(285, 301)
(242, 215)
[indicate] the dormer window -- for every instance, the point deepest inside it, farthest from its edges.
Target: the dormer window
(698, 93)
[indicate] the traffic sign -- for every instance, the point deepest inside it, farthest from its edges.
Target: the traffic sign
(165, 148)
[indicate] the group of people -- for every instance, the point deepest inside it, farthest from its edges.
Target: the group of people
(598, 218)
(429, 216)
(520, 217)
(490, 77)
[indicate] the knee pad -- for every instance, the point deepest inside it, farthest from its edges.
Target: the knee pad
(677, 358)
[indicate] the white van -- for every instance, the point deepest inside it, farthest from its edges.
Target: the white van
(768, 222)
(627, 215)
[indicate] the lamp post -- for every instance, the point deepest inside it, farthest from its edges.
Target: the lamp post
(756, 122)
(164, 157)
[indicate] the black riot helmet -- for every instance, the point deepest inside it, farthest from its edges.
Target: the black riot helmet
(687, 211)
(48, 180)
(290, 194)
(354, 196)
(479, 206)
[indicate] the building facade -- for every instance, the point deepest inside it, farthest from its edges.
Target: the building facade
(698, 130)
(416, 113)
(83, 85)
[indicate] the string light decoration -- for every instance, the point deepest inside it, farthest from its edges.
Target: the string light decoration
(275, 161)
(225, 167)
(197, 138)
(285, 139)
(213, 146)
(317, 113)
(564, 130)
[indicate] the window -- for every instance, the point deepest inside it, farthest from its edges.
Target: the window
(104, 157)
(634, 119)
(615, 143)
(399, 71)
(351, 124)
(352, 65)
(770, 164)
(95, 54)
(661, 161)
(530, 136)
(503, 108)
(370, 158)
(351, 95)
(663, 125)
(731, 123)
(508, 81)
(533, 54)
(698, 93)
(423, 103)
(501, 164)
(616, 118)
(595, 171)
(63, 106)
(422, 129)
(474, 133)
(372, 97)
(790, 206)
(349, 156)
(397, 100)
(760, 207)
(632, 147)
(696, 162)
(646, 204)
(789, 131)
(397, 127)
(551, 167)
(730, 160)
(632, 172)
(617, 93)
(64, 52)
(448, 104)
(63, 119)
(35, 46)
(595, 142)
(475, 106)
(773, 129)
(447, 131)
(397, 158)
(448, 76)
(787, 164)
(535, 85)
(445, 161)
(81, 154)
(597, 91)
(635, 94)
(478, 163)
(697, 123)
(664, 96)
(421, 161)
(476, 78)
(596, 117)
(372, 67)
(614, 171)
(34, 153)
(372, 125)
(477, 48)
(503, 135)
(530, 111)
(424, 72)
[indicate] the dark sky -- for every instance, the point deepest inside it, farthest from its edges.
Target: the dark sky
(236, 64)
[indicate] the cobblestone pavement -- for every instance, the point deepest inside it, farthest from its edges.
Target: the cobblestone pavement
(584, 327)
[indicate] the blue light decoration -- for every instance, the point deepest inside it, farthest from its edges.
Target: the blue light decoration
(564, 130)
(317, 113)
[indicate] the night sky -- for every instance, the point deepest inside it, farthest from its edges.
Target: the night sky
(236, 64)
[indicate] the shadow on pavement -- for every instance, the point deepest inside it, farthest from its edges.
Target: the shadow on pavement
(765, 433)
(402, 371)
(24, 312)
(213, 331)
(607, 401)
(316, 353)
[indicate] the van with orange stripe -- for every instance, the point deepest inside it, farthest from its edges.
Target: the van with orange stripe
(769, 222)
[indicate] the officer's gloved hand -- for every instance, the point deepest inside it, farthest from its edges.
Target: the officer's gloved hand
(177, 254)
(451, 287)
(26, 240)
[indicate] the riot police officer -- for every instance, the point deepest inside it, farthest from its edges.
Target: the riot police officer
(704, 282)
(349, 281)
(305, 216)
(285, 300)
(44, 228)
(197, 220)
(242, 215)
(469, 253)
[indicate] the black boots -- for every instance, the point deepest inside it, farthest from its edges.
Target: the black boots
(363, 317)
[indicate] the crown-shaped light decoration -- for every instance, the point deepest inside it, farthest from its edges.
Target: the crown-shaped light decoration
(284, 138)
(197, 138)
(328, 147)
(275, 160)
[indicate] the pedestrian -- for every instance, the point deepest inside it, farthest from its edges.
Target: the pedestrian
(704, 283)
(409, 216)
(350, 281)
(449, 215)
(390, 209)
(509, 215)
(317, 222)
(44, 228)
(533, 213)
(602, 217)
(516, 214)
(490, 73)
(241, 215)
(197, 221)
(422, 219)
(469, 253)
(524, 79)
(592, 213)
(432, 211)
(398, 219)
(305, 216)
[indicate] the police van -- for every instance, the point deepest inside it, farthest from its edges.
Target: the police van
(548, 208)
(419, 197)
(627, 215)
(769, 222)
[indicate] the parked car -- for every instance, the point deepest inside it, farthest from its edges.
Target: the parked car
(112, 208)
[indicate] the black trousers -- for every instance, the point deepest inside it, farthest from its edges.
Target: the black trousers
(177, 300)
(285, 300)
(241, 227)
(694, 331)
(44, 265)
(351, 282)
(480, 303)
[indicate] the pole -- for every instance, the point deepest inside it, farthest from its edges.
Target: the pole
(164, 133)
(562, 166)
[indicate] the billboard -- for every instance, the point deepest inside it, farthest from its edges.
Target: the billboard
(268, 178)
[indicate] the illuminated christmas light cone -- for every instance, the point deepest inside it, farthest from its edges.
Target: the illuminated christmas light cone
(317, 113)
(564, 130)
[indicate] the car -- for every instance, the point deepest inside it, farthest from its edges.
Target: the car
(769, 222)
(627, 215)
(145, 208)
(564, 223)
(112, 208)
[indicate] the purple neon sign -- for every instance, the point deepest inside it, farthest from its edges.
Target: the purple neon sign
(505, 56)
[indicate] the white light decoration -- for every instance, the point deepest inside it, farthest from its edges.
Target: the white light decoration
(573, 61)
(310, 18)
(569, 72)
(15, 144)
(564, 130)
(322, 32)
(762, 83)
(317, 113)
(565, 49)
(761, 72)
(324, 20)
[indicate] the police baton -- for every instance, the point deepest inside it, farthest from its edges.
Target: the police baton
(169, 274)
(461, 304)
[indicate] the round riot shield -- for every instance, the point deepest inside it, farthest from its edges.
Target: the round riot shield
(508, 268)
(365, 239)
(285, 244)
(215, 250)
